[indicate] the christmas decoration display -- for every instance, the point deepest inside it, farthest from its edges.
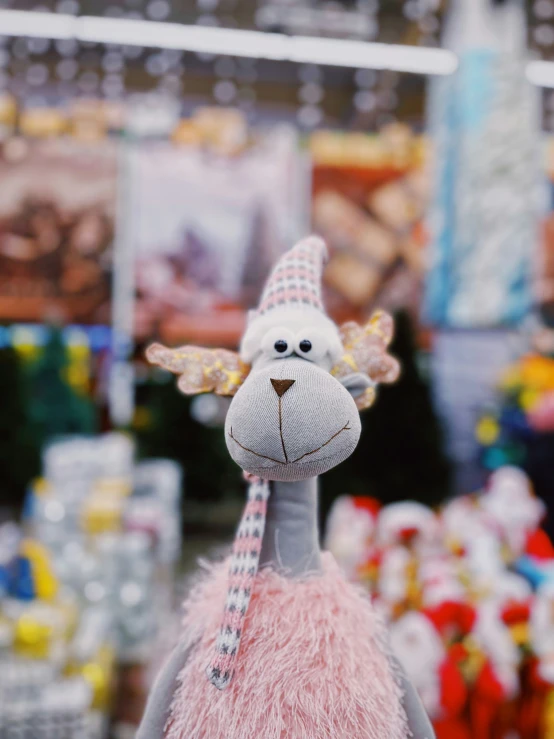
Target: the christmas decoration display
(467, 591)
(200, 260)
(484, 221)
(369, 195)
(50, 380)
(518, 428)
(275, 641)
(85, 584)
(59, 378)
(19, 447)
(525, 408)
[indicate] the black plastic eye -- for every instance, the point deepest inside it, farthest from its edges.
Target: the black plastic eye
(281, 346)
(305, 346)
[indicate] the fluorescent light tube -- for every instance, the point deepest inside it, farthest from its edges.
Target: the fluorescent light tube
(261, 45)
(36, 24)
(206, 39)
(254, 44)
(229, 41)
(541, 73)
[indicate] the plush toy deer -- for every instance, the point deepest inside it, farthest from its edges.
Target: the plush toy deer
(276, 643)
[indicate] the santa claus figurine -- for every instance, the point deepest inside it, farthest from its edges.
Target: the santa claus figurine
(434, 671)
(536, 718)
(513, 509)
(497, 681)
(405, 533)
(350, 533)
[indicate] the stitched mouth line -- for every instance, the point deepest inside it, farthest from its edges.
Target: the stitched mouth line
(346, 427)
(246, 449)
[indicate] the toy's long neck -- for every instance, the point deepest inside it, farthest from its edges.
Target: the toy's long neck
(291, 539)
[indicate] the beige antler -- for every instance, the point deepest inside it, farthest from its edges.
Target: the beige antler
(218, 371)
(365, 350)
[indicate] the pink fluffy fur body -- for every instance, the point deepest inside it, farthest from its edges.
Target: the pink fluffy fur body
(312, 664)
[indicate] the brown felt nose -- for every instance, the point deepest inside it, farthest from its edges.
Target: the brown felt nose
(281, 386)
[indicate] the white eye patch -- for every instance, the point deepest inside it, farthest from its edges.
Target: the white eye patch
(278, 343)
(311, 344)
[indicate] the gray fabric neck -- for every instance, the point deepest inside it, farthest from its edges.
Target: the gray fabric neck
(291, 538)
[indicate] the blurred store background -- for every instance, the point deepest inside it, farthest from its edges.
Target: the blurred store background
(156, 157)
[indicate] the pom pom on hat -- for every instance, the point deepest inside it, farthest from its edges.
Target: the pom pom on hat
(452, 617)
(366, 503)
(402, 522)
(539, 546)
(515, 612)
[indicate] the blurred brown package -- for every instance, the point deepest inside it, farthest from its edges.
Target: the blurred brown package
(393, 206)
(42, 122)
(545, 277)
(131, 694)
(187, 133)
(346, 225)
(88, 119)
(8, 114)
(413, 255)
(353, 279)
(418, 183)
(401, 203)
(223, 130)
(399, 141)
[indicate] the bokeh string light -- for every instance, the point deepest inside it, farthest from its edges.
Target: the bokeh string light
(57, 70)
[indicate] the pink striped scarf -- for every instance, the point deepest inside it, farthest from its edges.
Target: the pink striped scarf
(243, 567)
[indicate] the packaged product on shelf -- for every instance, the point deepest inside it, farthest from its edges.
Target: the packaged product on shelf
(84, 587)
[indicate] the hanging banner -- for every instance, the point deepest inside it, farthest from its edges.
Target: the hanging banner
(205, 230)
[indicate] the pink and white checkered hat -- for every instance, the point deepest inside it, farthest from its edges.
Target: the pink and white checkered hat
(296, 278)
(291, 298)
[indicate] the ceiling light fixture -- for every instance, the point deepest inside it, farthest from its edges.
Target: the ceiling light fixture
(243, 43)
(229, 42)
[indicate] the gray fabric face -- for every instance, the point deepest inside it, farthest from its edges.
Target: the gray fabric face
(311, 428)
